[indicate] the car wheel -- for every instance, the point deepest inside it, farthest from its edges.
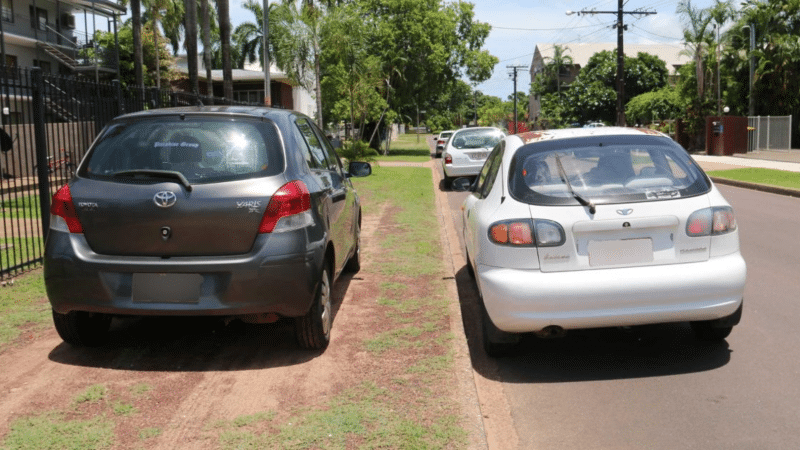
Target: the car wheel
(314, 329)
(448, 182)
(496, 342)
(82, 329)
(706, 331)
(354, 263)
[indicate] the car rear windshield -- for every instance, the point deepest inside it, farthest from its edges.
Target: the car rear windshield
(472, 139)
(202, 149)
(615, 169)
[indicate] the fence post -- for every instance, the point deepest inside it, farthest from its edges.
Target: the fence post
(118, 94)
(173, 99)
(155, 98)
(40, 139)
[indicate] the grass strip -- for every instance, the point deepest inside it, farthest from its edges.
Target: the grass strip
(771, 177)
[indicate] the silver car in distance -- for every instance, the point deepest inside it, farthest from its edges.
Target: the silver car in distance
(220, 211)
(599, 227)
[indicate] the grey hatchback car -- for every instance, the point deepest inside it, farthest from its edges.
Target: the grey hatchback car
(221, 211)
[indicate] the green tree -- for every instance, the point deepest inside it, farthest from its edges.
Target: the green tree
(126, 57)
(654, 106)
(592, 95)
(424, 45)
(298, 30)
(249, 36)
(777, 55)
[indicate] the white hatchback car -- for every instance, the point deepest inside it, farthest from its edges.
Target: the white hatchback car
(599, 227)
(466, 151)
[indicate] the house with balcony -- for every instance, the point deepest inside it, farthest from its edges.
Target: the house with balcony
(56, 34)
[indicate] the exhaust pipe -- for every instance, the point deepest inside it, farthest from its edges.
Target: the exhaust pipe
(551, 332)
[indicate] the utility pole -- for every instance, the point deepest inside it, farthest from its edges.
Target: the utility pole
(620, 26)
(514, 70)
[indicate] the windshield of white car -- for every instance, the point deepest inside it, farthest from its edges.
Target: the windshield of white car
(604, 172)
(477, 138)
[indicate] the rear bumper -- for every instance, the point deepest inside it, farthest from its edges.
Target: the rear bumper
(462, 170)
(529, 300)
(78, 279)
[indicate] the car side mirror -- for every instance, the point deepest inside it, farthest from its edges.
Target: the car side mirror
(359, 169)
(461, 184)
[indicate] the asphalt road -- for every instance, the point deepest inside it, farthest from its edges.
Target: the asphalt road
(657, 387)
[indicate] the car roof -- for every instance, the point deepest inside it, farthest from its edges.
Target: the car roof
(477, 128)
(570, 133)
(255, 111)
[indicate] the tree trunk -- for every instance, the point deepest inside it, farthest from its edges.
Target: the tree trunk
(191, 44)
(225, 38)
(207, 49)
(318, 87)
(138, 55)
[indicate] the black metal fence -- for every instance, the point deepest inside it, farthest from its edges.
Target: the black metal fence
(48, 123)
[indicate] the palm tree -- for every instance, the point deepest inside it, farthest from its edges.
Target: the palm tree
(138, 54)
(191, 44)
(555, 65)
(696, 38)
(249, 36)
(298, 30)
(225, 36)
(204, 11)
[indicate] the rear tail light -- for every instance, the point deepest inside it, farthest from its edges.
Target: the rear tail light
(711, 222)
(521, 233)
(448, 159)
(289, 209)
(62, 208)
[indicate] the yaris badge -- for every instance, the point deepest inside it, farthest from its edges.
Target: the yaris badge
(165, 199)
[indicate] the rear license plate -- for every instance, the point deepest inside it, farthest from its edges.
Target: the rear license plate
(166, 287)
(623, 252)
(476, 156)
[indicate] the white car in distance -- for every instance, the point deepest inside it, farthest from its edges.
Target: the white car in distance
(466, 151)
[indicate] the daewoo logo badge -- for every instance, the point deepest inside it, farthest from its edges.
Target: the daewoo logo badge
(624, 212)
(165, 199)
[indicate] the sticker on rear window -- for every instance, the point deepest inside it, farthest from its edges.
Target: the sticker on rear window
(662, 194)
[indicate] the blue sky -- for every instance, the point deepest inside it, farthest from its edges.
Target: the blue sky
(519, 25)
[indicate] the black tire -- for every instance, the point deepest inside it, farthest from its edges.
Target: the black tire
(314, 329)
(354, 263)
(448, 182)
(82, 329)
(718, 329)
(495, 341)
(706, 331)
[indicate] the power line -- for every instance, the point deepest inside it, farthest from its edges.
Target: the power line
(621, 27)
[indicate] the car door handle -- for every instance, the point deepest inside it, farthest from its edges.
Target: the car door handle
(338, 195)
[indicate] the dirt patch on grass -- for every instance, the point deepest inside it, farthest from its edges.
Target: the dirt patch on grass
(387, 379)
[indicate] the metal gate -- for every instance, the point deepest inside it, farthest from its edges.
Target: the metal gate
(769, 133)
(48, 122)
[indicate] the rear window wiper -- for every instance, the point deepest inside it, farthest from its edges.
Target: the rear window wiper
(581, 199)
(156, 174)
